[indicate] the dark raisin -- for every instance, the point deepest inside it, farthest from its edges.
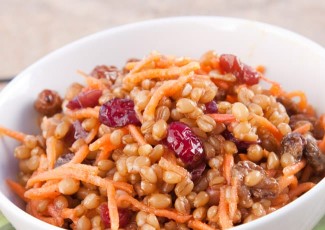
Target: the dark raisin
(48, 102)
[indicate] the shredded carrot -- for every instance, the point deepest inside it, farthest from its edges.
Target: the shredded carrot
(168, 165)
(228, 163)
(260, 68)
(112, 207)
(132, 79)
(321, 144)
(51, 144)
(50, 192)
(275, 89)
(303, 129)
(69, 213)
(300, 189)
(31, 208)
(55, 212)
(93, 83)
(303, 99)
(221, 83)
(285, 181)
(173, 215)
(168, 88)
(83, 113)
(104, 153)
(222, 118)
(233, 198)
(280, 200)
(92, 134)
(294, 183)
(13, 134)
(43, 163)
(78, 172)
(152, 57)
(294, 168)
(243, 157)
(265, 123)
(198, 225)
(306, 173)
(17, 188)
(81, 154)
(137, 135)
(231, 98)
(100, 142)
(223, 220)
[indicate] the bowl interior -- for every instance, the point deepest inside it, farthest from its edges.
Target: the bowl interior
(293, 61)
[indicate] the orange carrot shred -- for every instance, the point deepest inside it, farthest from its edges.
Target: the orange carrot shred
(92, 134)
(231, 98)
(48, 192)
(136, 134)
(265, 123)
(303, 99)
(198, 225)
(168, 88)
(303, 129)
(93, 83)
(83, 113)
(243, 157)
(81, 154)
(167, 165)
(285, 181)
(233, 198)
(228, 163)
(18, 189)
(280, 200)
(178, 217)
(294, 168)
(300, 189)
(13, 134)
(132, 79)
(306, 173)
(51, 144)
(223, 220)
(112, 207)
(222, 118)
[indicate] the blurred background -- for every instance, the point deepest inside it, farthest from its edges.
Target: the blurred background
(29, 29)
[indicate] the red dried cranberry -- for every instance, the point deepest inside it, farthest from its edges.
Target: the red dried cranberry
(197, 171)
(242, 146)
(186, 145)
(75, 132)
(211, 107)
(244, 73)
(85, 99)
(118, 112)
(123, 214)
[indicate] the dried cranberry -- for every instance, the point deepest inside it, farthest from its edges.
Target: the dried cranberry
(197, 171)
(244, 73)
(242, 146)
(63, 159)
(118, 112)
(85, 99)
(186, 145)
(75, 132)
(123, 214)
(211, 107)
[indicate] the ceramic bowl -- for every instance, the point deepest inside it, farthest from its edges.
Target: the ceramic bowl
(292, 60)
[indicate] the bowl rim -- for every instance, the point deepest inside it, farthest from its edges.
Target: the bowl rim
(11, 208)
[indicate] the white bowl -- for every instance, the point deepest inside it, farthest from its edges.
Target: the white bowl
(294, 61)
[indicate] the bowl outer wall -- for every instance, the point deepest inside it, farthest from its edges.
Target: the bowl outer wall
(294, 61)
